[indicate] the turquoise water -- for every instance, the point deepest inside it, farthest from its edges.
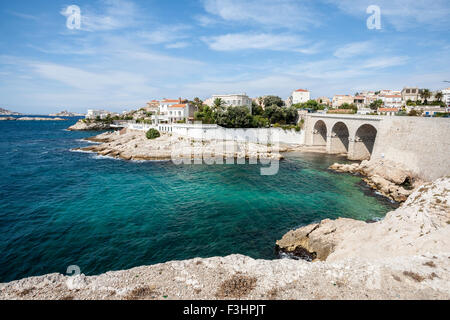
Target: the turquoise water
(60, 208)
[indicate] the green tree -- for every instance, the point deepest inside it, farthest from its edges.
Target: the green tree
(273, 100)
(425, 94)
(257, 110)
(439, 96)
(235, 117)
(376, 104)
(218, 104)
(206, 115)
(152, 134)
(260, 122)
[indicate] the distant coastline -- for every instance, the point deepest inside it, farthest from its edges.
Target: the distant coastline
(32, 118)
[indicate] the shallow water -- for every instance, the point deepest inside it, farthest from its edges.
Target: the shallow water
(61, 208)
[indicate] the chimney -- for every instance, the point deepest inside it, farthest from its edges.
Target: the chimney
(179, 99)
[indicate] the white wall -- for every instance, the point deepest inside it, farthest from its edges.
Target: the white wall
(215, 132)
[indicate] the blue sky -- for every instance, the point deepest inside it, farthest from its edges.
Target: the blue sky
(128, 52)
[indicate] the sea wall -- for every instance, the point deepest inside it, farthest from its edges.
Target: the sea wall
(422, 145)
(215, 132)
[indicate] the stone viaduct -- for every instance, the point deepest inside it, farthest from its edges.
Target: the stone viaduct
(352, 135)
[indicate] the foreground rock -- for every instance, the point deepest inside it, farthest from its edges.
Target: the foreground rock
(389, 178)
(421, 226)
(240, 277)
(405, 256)
(134, 145)
(89, 125)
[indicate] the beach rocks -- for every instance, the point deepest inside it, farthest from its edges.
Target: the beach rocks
(389, 178)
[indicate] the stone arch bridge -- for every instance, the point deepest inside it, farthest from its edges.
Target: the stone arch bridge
(352, 135)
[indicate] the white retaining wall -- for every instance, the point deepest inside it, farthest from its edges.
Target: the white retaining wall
(215, 132)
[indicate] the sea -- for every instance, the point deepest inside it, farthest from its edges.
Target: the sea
(60, 208)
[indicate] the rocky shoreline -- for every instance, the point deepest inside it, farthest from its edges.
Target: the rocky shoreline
(404, 256)
(389, 178)
(31, 119)
(134, 145)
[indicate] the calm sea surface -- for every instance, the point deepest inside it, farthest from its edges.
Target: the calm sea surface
(61, 208)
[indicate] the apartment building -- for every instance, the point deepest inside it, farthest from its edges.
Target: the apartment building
(235, 100)
(340, 99)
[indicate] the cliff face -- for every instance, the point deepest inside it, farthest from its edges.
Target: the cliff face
(420, 226)
(404, 256)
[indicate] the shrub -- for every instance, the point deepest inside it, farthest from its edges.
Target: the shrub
(152, 134)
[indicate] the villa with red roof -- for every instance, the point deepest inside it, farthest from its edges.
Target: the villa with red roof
(299, 96)
(173, 111)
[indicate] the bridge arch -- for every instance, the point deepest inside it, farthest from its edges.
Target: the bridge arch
(339, 140)
(320, 133)
(364, 142)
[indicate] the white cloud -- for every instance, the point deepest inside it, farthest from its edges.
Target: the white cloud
(243, 41)
(353, 49)
(165, 34)
(290, 14)
(385, 62)
(177, 45)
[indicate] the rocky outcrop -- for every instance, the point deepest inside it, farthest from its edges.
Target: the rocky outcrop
(89, 125)
(5, 112)
(420, 226)
(66, 114)
(40, 119)
(389, 178)
(134, 145)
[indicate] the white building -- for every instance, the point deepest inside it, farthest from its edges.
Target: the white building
(102, 114)
(340, 99)
(392, 101)
(235, 100)
(300, 96)
(446, 96)
(172, 111)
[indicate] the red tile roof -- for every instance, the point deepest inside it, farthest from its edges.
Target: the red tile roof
(170, 100)
(301, 90)
(178, 106)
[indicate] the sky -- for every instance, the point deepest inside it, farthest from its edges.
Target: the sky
(128, 52)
